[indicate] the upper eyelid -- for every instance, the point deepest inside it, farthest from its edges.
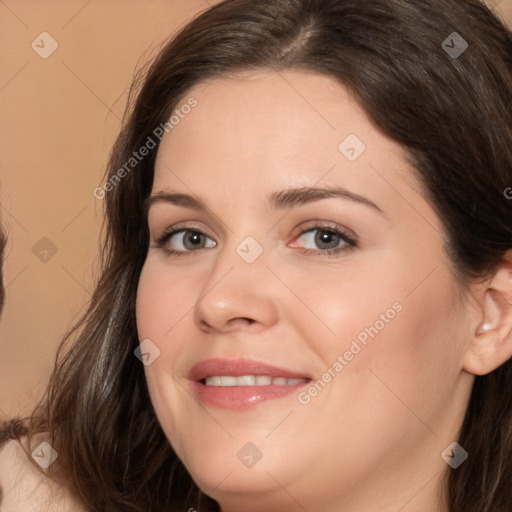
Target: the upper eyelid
(348, 235)
(159, 208)
(326, 225)
(179, 226)
(310, 225)
(293, 199)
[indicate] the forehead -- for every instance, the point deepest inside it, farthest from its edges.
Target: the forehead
(273, 130)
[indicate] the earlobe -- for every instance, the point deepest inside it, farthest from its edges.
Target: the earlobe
(491, 344)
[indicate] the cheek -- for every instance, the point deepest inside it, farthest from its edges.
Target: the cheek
(352, 311)
(161, 308)
(162, 300)
(389, 342)
(410, 362)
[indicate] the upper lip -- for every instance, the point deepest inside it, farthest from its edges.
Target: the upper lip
(238, 368)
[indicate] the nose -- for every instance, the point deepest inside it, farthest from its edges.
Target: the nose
(237, 295)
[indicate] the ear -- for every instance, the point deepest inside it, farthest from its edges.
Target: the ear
(491, 343)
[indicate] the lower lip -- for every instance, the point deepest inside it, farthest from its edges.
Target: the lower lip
(241, 397)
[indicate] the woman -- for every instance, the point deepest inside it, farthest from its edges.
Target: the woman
(268, 371)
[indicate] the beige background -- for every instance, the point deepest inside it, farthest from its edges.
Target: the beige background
(59, 117)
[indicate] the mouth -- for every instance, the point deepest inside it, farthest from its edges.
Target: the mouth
(241, 383)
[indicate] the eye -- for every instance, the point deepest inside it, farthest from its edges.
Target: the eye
(328, 239)
(182, 241)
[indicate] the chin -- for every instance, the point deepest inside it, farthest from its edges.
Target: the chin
(236, 474)
(255, 493)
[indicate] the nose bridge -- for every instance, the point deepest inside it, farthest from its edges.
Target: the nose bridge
(235, 287)
(243, 252)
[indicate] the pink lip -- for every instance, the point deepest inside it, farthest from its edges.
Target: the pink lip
(238, 368)
(240, 397)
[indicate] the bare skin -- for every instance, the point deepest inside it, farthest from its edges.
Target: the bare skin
(372, 437)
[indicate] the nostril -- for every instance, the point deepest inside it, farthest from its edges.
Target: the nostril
(206, 326)
(243, 320)
(231, 324)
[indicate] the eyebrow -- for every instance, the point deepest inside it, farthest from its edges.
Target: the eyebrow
(289, 198)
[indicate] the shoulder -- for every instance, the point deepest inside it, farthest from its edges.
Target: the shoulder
(25, 489)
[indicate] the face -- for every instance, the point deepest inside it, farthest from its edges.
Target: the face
(310, 343)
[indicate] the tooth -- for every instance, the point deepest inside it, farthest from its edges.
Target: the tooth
(246, 380)
(294, 382)
(250, 380)
(227, 380)
(263, 380)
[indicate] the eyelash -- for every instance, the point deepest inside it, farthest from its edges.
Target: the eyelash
(349, 240)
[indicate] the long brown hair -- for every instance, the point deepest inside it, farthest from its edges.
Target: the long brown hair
(452, 115)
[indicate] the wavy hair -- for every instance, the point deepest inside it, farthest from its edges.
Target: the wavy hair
(452, 115)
